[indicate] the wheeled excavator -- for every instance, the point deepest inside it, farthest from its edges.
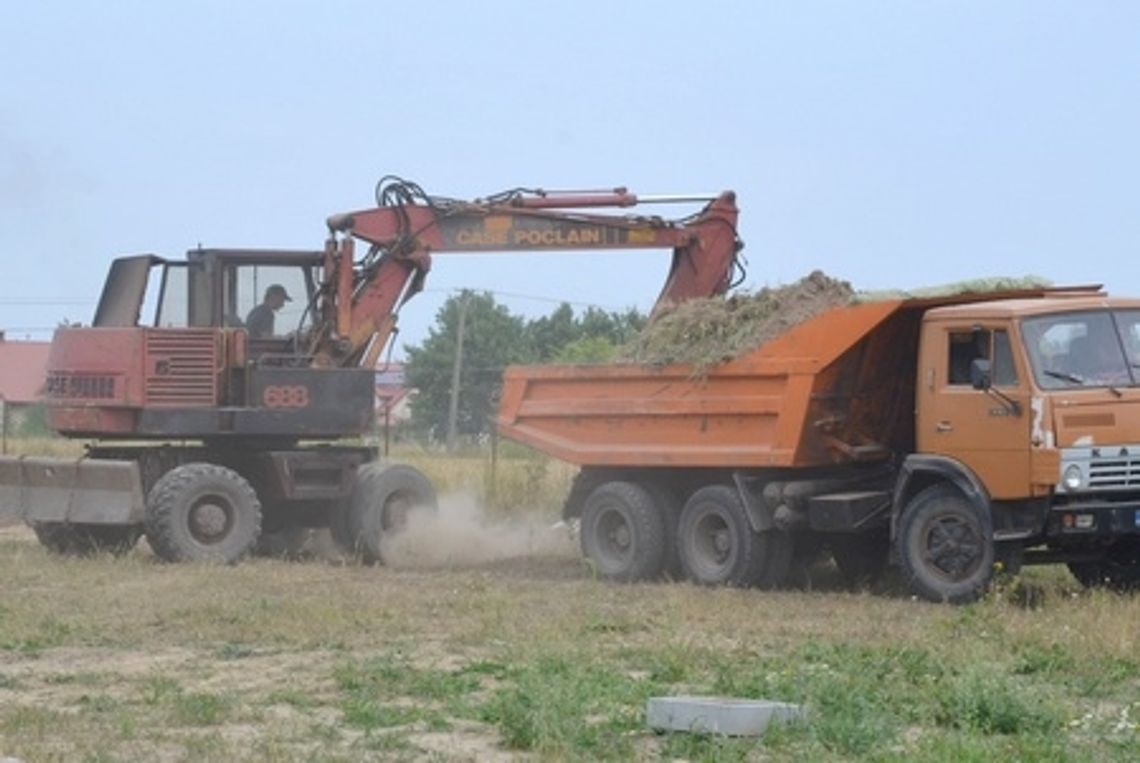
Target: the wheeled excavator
(204, 434)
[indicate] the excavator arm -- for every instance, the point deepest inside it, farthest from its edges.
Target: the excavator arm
(360, 297)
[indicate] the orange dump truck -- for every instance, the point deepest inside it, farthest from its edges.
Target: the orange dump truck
(945, 434)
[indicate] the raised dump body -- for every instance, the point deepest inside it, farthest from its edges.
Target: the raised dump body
(943, 426)
(802, 399)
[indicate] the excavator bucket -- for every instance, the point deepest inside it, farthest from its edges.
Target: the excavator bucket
(82, 490)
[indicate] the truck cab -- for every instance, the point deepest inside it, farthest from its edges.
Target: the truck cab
(1030, 409)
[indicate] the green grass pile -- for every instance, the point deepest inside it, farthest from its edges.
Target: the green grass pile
(706, 332)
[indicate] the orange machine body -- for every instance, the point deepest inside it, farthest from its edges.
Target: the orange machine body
(823, 391)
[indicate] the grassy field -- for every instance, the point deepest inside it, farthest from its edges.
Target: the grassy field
(529, 657)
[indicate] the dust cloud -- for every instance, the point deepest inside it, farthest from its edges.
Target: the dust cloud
(460, 534)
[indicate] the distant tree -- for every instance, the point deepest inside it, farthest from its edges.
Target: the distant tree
(493, 339)
(549, 334)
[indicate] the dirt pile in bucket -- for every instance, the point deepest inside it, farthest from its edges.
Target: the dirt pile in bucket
(705, 332)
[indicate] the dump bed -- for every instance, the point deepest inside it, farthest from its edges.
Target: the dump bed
(838, 387)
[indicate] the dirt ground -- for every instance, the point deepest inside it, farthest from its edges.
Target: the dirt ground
(520, 653)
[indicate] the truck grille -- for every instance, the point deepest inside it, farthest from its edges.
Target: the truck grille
(181, 367)
(1118, 472)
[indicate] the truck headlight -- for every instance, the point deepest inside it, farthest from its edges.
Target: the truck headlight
(1072, 478)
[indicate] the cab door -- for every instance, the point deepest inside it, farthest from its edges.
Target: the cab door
(976, 427)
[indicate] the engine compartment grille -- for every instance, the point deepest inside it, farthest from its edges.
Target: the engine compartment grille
(181, 367)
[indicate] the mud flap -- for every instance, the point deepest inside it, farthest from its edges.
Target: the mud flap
(759, 515)
(83, 490)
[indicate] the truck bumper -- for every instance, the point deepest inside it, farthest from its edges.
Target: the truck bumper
(1094, 519)
(81, 490)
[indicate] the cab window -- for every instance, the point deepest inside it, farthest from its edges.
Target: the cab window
(173, 303)
(981, 344)
(1004, 371)
(1079, 349)
(249, 286)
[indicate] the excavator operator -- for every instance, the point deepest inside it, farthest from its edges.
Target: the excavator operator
(259, 322)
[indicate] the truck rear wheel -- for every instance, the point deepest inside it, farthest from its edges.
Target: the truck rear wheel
(202, 513)
(86, 539)
(384, 497)
(943, 547)
(1118, 570)
(623, 532)
(718, 546)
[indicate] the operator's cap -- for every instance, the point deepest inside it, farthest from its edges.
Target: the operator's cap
(278, 289)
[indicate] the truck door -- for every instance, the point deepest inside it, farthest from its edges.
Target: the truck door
(976, 427)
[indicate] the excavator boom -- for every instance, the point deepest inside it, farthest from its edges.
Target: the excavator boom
(407, 227)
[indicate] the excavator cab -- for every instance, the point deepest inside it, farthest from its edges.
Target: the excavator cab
(170, 356)
(211, 287)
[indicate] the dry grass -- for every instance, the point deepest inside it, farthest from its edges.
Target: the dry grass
(106, 659)
(56, 447)
(125, 659)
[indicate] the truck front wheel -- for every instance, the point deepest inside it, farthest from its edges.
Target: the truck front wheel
(202, 513)
(623, 533)
(1118, 570)
(945, 553)
(718, 546)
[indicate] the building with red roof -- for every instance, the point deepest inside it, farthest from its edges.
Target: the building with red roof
(23, 366)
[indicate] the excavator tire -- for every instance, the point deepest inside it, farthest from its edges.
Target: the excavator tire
(85, 539)
(385, 494)
(202, 512)
(719, 547)
(623, 532)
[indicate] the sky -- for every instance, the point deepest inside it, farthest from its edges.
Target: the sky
(892, 144)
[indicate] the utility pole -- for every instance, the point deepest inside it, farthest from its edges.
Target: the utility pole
(453, 404)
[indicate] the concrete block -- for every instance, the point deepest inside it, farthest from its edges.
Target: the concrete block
(718, 715)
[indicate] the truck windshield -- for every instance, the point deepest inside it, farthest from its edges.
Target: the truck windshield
(1097, 348)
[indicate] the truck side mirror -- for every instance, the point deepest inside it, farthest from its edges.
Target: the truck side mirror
(981, 376)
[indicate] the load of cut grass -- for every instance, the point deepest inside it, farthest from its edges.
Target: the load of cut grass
(971, 286)
(705, 332)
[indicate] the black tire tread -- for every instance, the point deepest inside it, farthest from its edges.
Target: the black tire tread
(162, 530)
(648, 527)
(353, 527)
(920, 583)
(765, 558)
